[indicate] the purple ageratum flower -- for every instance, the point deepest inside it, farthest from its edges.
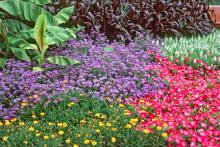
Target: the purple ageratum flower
(119, 73)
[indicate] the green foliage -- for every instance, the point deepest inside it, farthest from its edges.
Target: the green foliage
(61, 60)
(205, 48)
(3, 62)
(18, 18)
(80, 118)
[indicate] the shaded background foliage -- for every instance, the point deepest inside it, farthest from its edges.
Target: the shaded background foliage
(126, 19)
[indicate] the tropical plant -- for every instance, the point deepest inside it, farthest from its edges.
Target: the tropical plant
(18, 16)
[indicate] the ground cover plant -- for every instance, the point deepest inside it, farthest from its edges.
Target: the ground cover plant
(77, 121)
(189, 107)
(106, 70)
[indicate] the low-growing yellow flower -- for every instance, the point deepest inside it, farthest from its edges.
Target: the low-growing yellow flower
(128, 126)
(61, 132)
(86, 141)
(104, 116)
(14, 120)
(165, 125)
(38, 134)
(7, 122)
(121, 105)
(70, 104)
(159, 128)
(52, 136)
(146, 131)
(35, 96)
(23, 104)
(5, 138)
(35, 122)
(108, 124)
(113, 139)
(164, 135)
(31, 129)
(34, 116)
(64, 125)
(114, 129)
(42, 114)
(46, 137)
(75, 145)
(21, 123)
(94, 143)
(68, 141)
(59, 124)
(97, 115)
(50, 123)
(25, 142)
(97, 130)
(1, 124)
(101, 124)
(82, 122)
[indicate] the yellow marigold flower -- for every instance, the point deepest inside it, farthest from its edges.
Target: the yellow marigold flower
(68, 141)
(104, 116)
(21, 123)
(146, 131)
(59, 124)
(14, 120)
(34, 116)
(42, 114)
(86, 141)
(64, 125)
(121, 105)
(75, 145)
(94, 143)
(35, 122)
(46, 137)
(164, 135)
(52, 136)
(108, 124)
(165, 125)
(97, 115)
(61, 132)
(25, 142)
(50, 123)
(82, 122)
(70, 104)
(113, 139)
(31, 129)
(35, 96)
(37, 134)
(5, 138)
(128, 126)
(1, 124)
(97, 130)
(159, 128)
(101, 124)
(78, 135)
(24, 103)
(114, 129)
(7, 122)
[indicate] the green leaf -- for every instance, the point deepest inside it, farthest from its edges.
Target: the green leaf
(15, 25)
(37, 69)
(39, 2)
(3, 62)
(109, 49)
(64, 15)
(20, 54)
(25, 10)
(57, 35)
(39, 31)
(61, 60)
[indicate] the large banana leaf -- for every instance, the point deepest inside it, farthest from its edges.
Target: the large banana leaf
(25, 10)
(17, 41)
(64, 15)
(15, 26)
(29, 10)
(57, 35)
(61, 60)
(39, 33)
(20, 54)
(39, 2)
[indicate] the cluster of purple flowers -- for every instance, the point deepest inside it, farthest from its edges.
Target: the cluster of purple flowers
(107, 70)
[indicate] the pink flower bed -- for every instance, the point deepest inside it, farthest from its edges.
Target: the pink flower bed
(188, 110)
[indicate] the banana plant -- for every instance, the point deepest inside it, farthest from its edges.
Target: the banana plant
(43, 44)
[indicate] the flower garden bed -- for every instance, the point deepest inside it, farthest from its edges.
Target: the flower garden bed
(60, 86)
